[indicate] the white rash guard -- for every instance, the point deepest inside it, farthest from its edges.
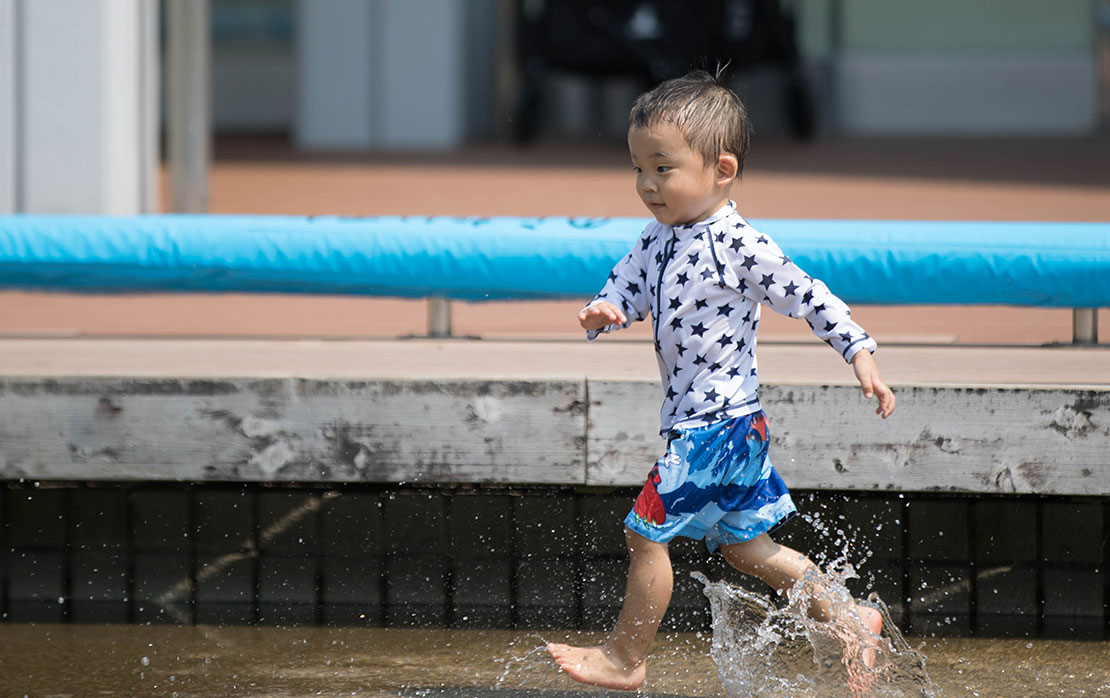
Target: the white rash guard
(703, 285)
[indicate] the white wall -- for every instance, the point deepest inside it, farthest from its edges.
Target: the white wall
(380, 73)
(8, 144)
(964, 95)
(82, 99)
(989, 67)
(421, 71)
(334, 61)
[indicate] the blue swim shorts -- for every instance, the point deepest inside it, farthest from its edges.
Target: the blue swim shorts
(714, 482)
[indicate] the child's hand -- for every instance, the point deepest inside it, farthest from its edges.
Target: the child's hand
(600, 315)
(867, 373)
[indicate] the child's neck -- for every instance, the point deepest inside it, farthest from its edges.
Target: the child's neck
(710, 212)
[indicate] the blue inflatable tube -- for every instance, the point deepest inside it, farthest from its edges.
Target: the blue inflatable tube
(874, 262)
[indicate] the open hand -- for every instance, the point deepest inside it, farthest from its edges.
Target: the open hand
(867, 373)
(600, 315)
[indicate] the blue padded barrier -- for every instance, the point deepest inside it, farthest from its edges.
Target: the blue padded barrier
(875, 262)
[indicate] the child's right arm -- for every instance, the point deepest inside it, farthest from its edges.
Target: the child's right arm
(599, 315)
(626, 296)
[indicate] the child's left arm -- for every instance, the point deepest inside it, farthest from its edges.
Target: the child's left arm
(759, 269)
(867, 373)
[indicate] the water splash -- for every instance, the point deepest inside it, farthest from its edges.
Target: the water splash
(764, 650)
(525, 663)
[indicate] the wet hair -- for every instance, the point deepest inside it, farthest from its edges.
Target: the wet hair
(707, 112)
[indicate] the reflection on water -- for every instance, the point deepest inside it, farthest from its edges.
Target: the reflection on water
(194, 662)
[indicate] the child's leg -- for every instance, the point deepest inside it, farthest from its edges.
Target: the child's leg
(781, 567)
(619, 663)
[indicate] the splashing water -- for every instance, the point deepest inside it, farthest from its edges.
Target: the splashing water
(765, 651)
(526, 664)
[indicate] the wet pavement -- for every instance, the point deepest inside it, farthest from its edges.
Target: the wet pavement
(80, 661)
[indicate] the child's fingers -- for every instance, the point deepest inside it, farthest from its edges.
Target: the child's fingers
(886, 401)
(610, 313)
(598, 316)
(865, 385)
(872, 386)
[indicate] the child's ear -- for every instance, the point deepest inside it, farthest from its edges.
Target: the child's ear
(728, 167)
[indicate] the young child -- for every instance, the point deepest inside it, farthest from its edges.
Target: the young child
(702, 273)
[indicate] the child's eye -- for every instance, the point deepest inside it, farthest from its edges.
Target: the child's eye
(637, 170)
(663, 168)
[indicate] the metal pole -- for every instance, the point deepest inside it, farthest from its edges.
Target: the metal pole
(506, 73)
(188, 78)
(439, 317)
(149, 135)
(1102, 58)
(1084, 326)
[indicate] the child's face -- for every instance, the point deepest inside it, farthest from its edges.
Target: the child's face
(672, 179)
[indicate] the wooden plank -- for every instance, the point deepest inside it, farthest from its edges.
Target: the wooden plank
(953, 439)
(292, 430)
(984, 440)
(622, 437)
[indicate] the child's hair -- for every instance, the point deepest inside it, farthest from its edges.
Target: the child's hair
(711, 116)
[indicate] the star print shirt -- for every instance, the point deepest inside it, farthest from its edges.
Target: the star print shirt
(703, 286)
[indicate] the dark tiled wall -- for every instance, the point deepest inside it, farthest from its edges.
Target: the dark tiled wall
(523, 558)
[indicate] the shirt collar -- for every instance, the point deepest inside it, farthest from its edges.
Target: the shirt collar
(723, 212)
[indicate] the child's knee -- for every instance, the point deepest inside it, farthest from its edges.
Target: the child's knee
(750, 556)
(639, 545)
(739, 559)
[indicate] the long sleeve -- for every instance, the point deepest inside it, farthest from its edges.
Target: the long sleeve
(704, 285)
(765, 275)
(627, 287)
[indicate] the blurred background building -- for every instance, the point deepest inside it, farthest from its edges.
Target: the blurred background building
(83, 98)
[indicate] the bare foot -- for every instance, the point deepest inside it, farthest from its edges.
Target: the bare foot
(860, 679)
(595, 666)
(873, 622)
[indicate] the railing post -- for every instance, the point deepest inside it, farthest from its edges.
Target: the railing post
(188, 89)
(1102, 61)
(1084, 326)
(439, 317)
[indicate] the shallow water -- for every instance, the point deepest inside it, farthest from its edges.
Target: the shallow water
(763, 649)
(82, 661)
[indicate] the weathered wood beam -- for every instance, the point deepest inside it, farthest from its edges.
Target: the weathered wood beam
(954, 439)
(1014, 440)
(292, 430)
